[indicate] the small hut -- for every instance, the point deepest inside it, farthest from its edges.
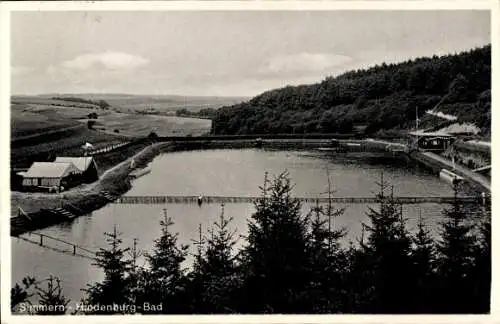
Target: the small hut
(433, 141)
(49, 175)
(86, 165)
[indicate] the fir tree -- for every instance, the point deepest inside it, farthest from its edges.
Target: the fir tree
(481, 273)
(116, 287)
(165, 281)
(195, 284)
(276, 260)
(358, 279)
(218, 269)
(455, 260)
(327, 293)
(52, 297)
(388, 249)
(136, 276)
(424, 262)
(20, 295)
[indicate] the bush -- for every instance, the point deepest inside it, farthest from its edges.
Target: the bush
(153, 135)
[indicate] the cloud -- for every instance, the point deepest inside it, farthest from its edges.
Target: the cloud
(20, 70)
(108, 60)
(303, 63)
(95, 70)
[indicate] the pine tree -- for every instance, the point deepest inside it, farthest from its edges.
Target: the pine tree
(20, 295)
(218, 268)
(195, 283)
(136, 276)
(358, 279)
(164, 283)
(327, 293)
(388, 249)
(481, 273)
(423, 272)
(52, 297)
(276, 260)
(116, 287)
(455, 260)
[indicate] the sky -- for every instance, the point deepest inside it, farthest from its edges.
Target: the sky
(222, 53)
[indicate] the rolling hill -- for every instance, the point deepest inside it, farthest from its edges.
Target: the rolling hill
(383, 98)
(141, 103)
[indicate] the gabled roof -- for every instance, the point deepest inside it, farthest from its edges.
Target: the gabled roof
(50, 170)
(82, 163)
(433, 134)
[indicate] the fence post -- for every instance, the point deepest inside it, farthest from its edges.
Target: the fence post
(41, 239)
(74, 249)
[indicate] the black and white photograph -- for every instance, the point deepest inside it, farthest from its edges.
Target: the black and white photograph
(251, 162)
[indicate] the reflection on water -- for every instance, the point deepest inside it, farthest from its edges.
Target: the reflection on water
(222, 172)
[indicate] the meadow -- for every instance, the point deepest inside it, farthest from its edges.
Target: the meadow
(126, 103)
(43, 128)
(141, 125)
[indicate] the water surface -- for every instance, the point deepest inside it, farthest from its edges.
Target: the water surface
(224, 173)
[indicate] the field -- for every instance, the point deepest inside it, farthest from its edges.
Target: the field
(23, 156)
(25, 120)
(139, 103)
(142, 125)
(41, 131)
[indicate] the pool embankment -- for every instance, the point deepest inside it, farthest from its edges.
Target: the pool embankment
(41, 208)
(436, 163)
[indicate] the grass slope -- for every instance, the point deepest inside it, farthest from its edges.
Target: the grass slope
(137, 103)
(40, 131)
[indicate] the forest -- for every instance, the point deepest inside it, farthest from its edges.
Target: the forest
(294, 263)
(383, 97)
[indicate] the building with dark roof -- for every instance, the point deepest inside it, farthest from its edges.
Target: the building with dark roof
(86, 165)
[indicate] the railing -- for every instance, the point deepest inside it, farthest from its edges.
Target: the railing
(43, 239)
(235, 199)
(107, 148)
(485, 168)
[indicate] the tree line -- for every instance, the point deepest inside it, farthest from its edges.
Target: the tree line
(202, 113)
(101, 103)
(384, 97)
(295, 263)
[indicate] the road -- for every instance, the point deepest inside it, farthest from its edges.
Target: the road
(460, 170)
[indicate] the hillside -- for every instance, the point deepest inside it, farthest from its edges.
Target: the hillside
(142, 103)
(384, 97)
(42, 128)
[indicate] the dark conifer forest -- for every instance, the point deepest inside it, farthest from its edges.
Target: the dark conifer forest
(294, 263)
(384, 97)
